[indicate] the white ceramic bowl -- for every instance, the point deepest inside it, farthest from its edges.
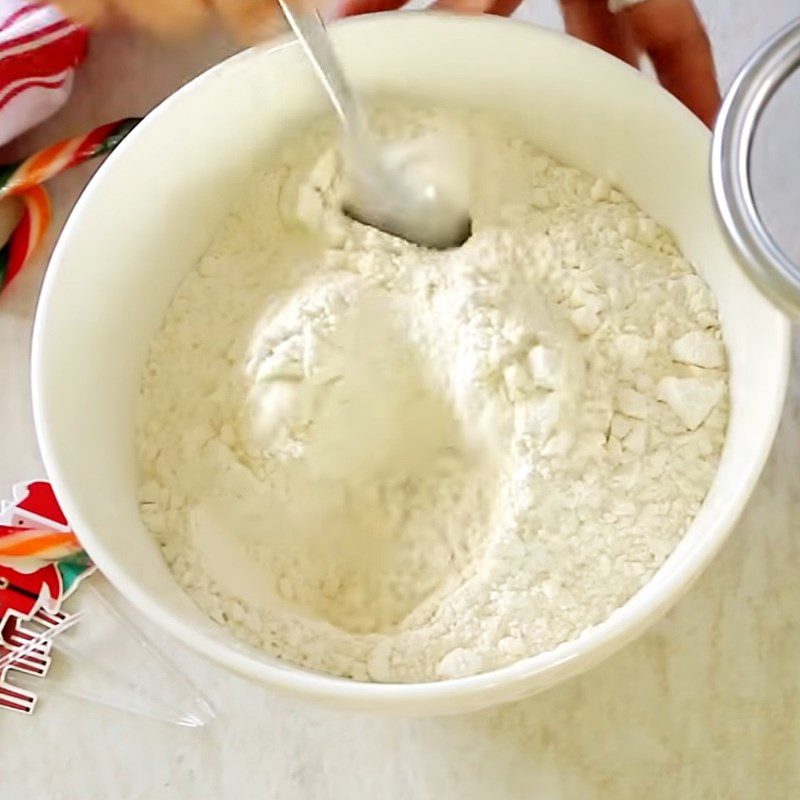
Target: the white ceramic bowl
(149, 213)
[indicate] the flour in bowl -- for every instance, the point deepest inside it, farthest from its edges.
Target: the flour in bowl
(396, 464)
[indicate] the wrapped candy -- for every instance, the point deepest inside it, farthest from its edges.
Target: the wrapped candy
(36, 543)
(22, 180)
(39, 52)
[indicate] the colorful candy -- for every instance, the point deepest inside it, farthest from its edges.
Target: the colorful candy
(36, 543)
(28, 234)
(41, 166)
(23, 178)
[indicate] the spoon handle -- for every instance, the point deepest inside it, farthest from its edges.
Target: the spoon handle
(313, 37)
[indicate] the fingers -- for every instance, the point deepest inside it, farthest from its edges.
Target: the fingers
(86, 12)
(591, 21)
(670, 32)
(464, 6)
(252, 21)
(504, 8)
(350, 8)
(673, 36)
(167, 19)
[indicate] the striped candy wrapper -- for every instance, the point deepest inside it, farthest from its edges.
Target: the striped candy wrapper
(28, 234)
(22, 180)
(36, 543)
(39, 51)
(40, 167)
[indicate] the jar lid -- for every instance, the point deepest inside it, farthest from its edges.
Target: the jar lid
(762, 258)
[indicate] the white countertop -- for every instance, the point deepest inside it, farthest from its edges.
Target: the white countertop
(705, 705)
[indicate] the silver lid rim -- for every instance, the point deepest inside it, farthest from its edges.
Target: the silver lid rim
(767, 265)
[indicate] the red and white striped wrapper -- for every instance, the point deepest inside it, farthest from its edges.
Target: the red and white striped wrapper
(39, 51)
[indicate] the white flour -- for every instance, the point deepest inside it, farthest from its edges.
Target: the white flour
(399, 465)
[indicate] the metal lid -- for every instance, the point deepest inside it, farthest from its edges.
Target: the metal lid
(765, 262)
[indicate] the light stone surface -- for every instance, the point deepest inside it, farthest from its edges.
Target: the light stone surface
(705, 705)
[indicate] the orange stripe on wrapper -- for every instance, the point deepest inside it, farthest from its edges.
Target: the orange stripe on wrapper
(43, 165)
(32, 543)
(22, 181)
(31, 230)
(47, 163)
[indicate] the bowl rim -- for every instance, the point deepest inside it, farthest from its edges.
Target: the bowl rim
(568, 659)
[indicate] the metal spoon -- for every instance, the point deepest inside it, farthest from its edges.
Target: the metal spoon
(383, 192)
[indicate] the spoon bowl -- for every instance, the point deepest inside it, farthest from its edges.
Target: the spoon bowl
(407, 189)
(386, 189)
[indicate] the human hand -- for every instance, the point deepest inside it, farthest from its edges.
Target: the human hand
(250, 20)
(669, 32)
